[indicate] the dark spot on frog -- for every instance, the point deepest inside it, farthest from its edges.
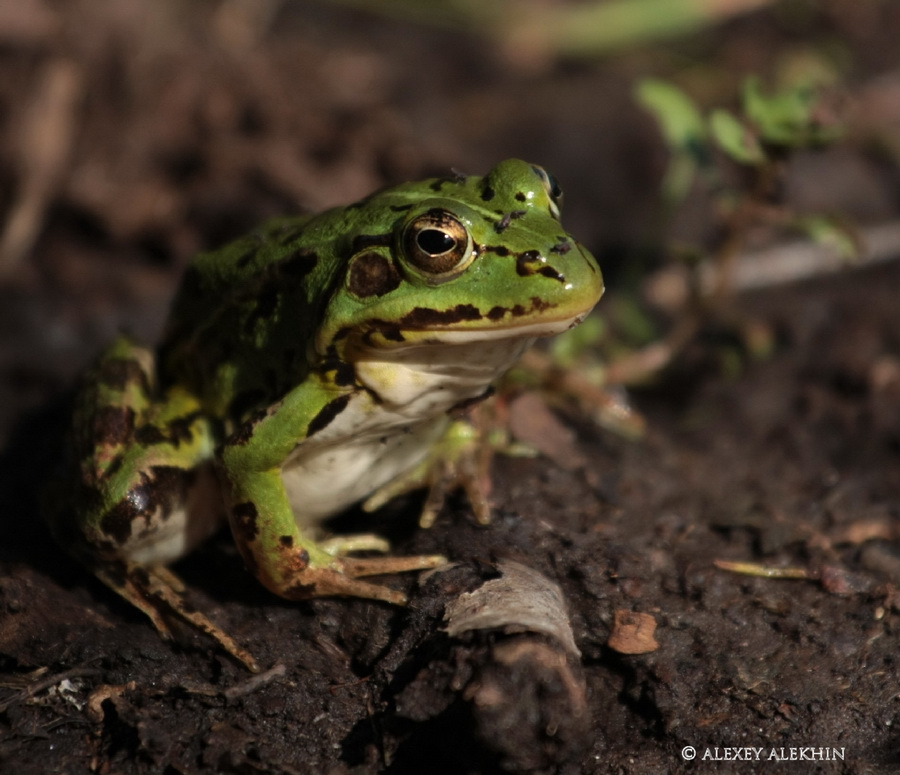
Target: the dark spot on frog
(520, 196)
(292, 562)
(113, 425)
(118, 373)
(298, 264)
(372, 274)
(527, 263)
(363, 242)
(500, 250)
(191, 283)
(113, 468)
(244, 402)
(181, 428)
(487, 193)
(246, 259)
(393, 335)
(553, 274)
(562, 247)
(424, 317)
(243, 434)
(267, 301)
(470, 402)
(244, 517)
(118, 520)
(148, 435)
(287, 541)
(344, 373)
(327, 413)
(161, 489)
(503, 224)
(401, 208)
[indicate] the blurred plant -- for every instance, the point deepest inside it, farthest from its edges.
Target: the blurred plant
(533, 31)
(740, 157)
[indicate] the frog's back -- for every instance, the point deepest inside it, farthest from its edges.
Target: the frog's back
(239, 324)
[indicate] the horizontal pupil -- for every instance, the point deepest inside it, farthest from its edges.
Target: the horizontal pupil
(435, 241)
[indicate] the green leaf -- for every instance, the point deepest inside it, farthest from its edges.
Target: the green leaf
(684, 131)
(678, 117)
(735, 139)
(788, 118)
(832, 231)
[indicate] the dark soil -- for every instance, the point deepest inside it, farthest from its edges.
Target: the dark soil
(180, 133)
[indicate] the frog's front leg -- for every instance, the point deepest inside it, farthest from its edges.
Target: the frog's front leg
(266, 530)
(146, 493)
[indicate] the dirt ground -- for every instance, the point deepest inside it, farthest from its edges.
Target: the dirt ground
(134, 134)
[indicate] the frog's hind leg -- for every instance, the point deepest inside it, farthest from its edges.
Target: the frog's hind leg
(147, 491)
(156, 591)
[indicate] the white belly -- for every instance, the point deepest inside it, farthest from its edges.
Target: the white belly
(386, 430)
(323, 480)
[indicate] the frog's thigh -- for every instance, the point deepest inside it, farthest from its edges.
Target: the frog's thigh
(151, 494)
(166, 525)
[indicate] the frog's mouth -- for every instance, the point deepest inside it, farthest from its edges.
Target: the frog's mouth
(465, 324)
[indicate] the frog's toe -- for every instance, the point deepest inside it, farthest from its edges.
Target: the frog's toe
(344, 578)
(158, 592)
(461, 460)
(362, 542)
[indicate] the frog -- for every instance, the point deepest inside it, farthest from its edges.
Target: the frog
(318, 361)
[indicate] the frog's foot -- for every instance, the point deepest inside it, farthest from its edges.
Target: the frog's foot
(461, 459)
(341, 577)
(158, 592)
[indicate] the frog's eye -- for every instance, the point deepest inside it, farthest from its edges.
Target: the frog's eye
(437, 243)
(551, 186)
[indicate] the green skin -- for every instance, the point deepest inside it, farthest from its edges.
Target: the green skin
(314, 345)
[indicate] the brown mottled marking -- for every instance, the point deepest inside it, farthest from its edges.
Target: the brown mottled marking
(553, 274)
(113, 424)
(243, 402)
(160, 489)
(424, 317)
(527, 263)
(243, 434)
(148, 435)
(363, 242)
(287, 541)
(327, 413)
(298, 264)
(117, 521)
(503, 224)
(246, 259)
(469, 402)
(539, 304)
(118, 373)
(245, 517)
(372, 274)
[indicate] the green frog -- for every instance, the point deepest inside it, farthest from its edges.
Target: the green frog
(304, 367)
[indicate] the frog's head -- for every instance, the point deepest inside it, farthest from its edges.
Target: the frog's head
(458, 261)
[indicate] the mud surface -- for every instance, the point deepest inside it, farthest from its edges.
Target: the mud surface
(179, 130)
